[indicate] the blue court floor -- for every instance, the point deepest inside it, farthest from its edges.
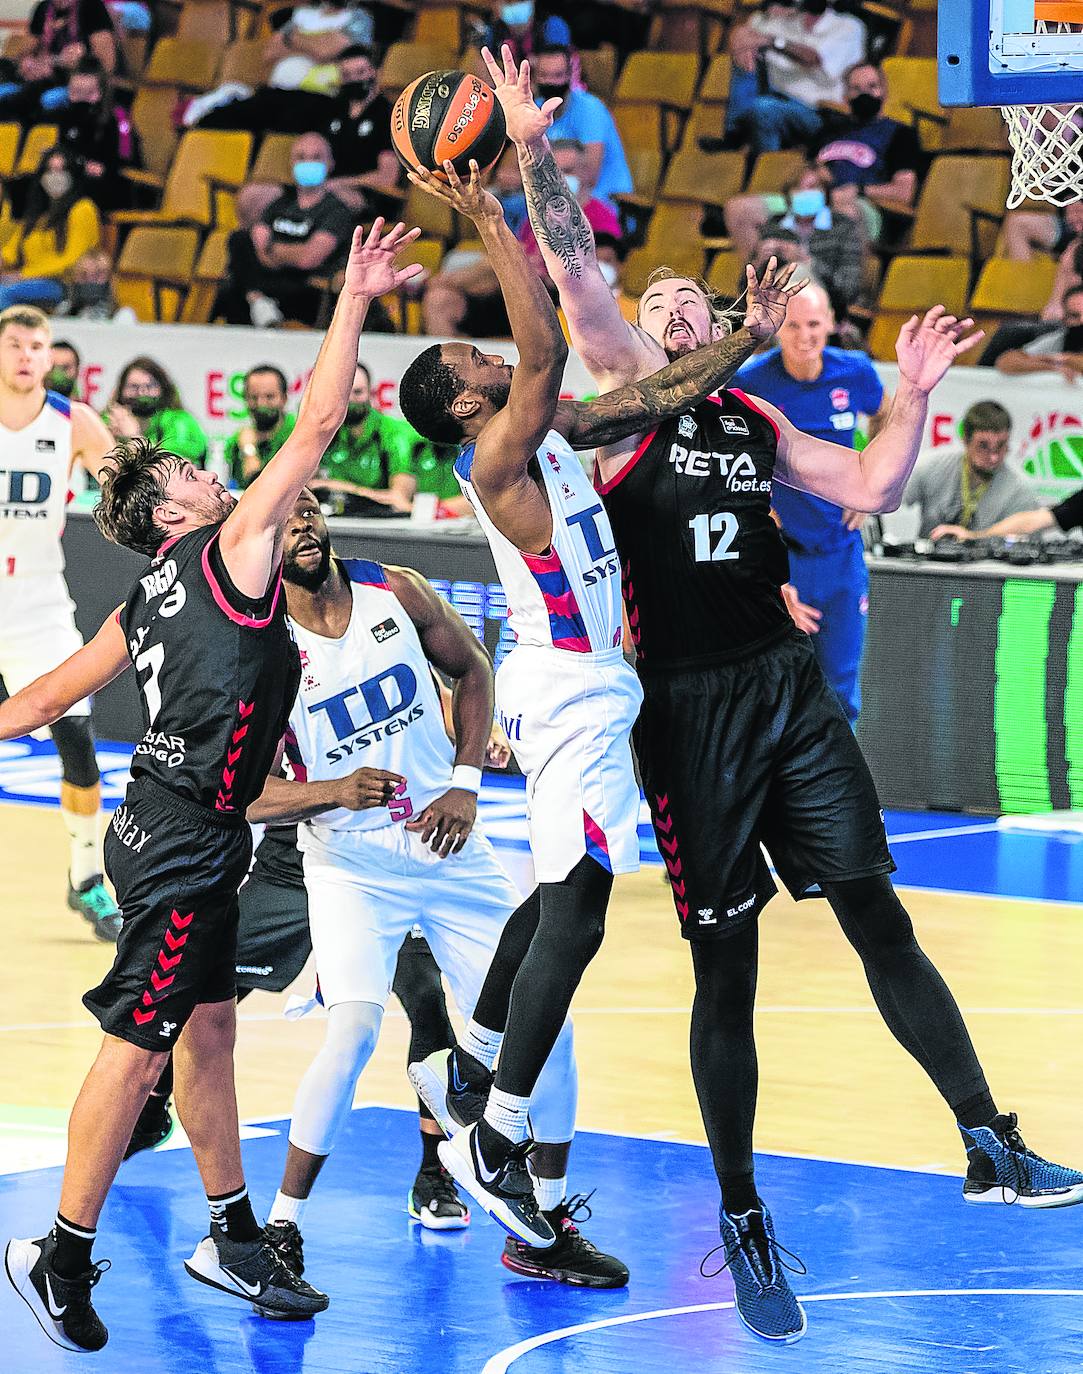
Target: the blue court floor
(902, 1276)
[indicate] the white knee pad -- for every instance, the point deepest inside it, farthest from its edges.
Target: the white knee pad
(552, 1108)
(326, 1092)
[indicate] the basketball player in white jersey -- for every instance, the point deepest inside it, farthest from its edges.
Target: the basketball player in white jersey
(43, 435)
(566, 697)
(393, 845)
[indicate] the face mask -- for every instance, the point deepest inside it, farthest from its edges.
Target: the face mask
(56, 184)
(356, 412)
(310, 173)
(1073, 338)
(814, 6)
(609, 273)
(355, 90)
(865, 107)
(574, 183)
(808, 203)
(544, 93)
(265, 418)
(517, 16)
(142, 407)
(58, 380)
(88, 293)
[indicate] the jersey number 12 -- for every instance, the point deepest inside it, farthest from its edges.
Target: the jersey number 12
(721, 523)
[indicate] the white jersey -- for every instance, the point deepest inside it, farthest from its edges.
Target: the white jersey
(570, 597)
(35, 468)
(368, 699)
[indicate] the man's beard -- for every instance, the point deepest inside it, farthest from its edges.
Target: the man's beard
(497, 393)
(311, 579)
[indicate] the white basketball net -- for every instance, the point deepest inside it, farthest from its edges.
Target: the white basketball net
(1047, 146)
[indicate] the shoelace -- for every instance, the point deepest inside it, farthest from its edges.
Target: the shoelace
(1019, 1155)
(91, 1278)
(443, 1185)
(751, 1252)
(285, 1238)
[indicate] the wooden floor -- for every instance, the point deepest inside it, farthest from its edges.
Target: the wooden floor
(832, 1081)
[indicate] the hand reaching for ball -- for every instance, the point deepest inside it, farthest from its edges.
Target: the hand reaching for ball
(526, 122)
(370, 269)
(471, 199)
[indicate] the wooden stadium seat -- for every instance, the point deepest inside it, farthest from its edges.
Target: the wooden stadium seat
(703, 178)
(152, 115)
(912, 93)
(39, 140)
(726, 273)
(246, 61)
(640, 126)
(599, 69)
(685, 259)
(209, 273)
(154, 270)
(663, 82)
(773, 171)
(440, 26)
(673, 227)
(404, 62)
(715, 87)
(911, 286)
(961, 205)
(272, 162)
(9, 147)
(974, 129)
(188, 63)
(206, 171)
(1008, 288)
(404, 305)
(207, 20)
(690, 26)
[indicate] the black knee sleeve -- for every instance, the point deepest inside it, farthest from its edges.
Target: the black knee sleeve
(74, 741)
(418, 987)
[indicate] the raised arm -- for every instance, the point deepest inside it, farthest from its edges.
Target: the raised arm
(511, 438)
(91, 442)
(251, 538)
(52, 695)
(875, 478)
(689, 380)
(614, 351)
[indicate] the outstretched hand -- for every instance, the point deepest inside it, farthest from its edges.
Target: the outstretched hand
(767, 299)
(927, 347)
(370, 268)
(526, 122)
(471, 199)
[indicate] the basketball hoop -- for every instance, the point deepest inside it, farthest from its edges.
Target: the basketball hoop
(1047, 140)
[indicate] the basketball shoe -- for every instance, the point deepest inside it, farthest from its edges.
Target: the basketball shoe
(501, 1185)
(253, 1270)
(434, 1202)
(571, 1258)
(453, 1085)
(62, 1306)
(95, 905)
(764, 1299)
(284, 1238)
(1000, 1168)
(153, 1127)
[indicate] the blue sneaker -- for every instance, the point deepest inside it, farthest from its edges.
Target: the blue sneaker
(95, 905)
(765, 1301)
(1000, 1168)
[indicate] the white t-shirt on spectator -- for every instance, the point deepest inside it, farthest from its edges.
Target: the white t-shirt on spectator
(289, 72)
(838, 38)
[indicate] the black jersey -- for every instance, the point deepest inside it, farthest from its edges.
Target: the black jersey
(701, 557)
(218, 675)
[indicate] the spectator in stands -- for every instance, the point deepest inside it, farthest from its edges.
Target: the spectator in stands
(975, 489)
(357, 124)
(146, 404)
(59, 225)
(99, 132)
(65, 32)
(469, 282)
(1028, 232)
(64, 364)
(304, 231)
(584, 118)
(1065, 516)
(1058, 350)
(305, 49)
(370, 461)
(269, 423)
(787, 61)
(89, 291)
(872, 162)
(523, 30)
(810, 232)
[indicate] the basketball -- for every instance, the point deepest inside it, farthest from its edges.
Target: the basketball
(448, 115)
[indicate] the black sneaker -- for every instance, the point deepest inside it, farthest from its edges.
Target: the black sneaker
(434, 1201)
(153, 1128)
(253, 1271)
(94, 904)
(1000, 1168)
(505, 1191)
(285, 1240)
(62, 1306)
(571, 1258)
(764, 1300)
(454, 1086)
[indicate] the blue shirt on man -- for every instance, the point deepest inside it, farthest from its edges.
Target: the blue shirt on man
(827, 408)
(584, 117)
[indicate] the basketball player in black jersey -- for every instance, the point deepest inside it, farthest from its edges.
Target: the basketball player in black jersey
(740, 739)
(205, 627)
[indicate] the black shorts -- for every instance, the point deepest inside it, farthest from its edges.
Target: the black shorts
(176, 868)
(740, 754)
(273, 939)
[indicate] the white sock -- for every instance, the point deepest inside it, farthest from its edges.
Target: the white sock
(507, 1114)
(288, 1208)
(550, 1192)
(482, 1043)
(86, 857)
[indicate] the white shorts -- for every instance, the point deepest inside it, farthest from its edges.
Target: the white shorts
(569, 718)
(37, 630)
(368, 889)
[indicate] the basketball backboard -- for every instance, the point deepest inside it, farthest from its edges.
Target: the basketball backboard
(1010, 52)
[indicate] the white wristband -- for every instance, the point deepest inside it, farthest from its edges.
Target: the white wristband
(467, 778)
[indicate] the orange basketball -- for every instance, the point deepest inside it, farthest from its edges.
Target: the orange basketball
(448, 115)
